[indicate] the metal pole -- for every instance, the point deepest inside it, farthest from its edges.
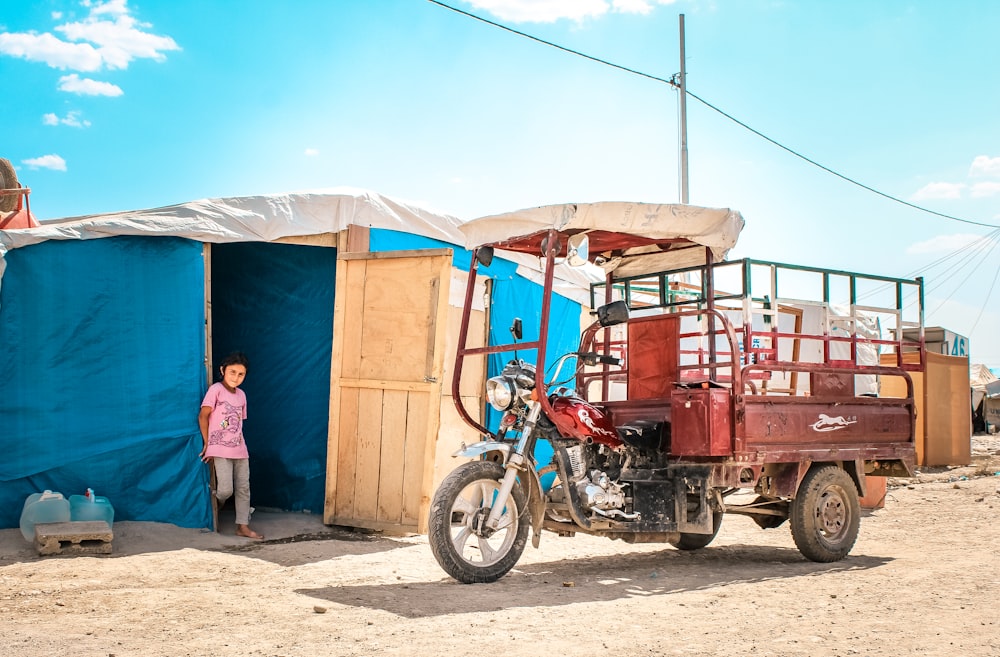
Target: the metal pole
(683, 123)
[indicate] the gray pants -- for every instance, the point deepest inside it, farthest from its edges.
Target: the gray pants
(233, 475)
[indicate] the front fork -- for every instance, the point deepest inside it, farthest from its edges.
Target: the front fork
(515, 464)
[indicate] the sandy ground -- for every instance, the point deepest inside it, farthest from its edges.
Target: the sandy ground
(923, 579)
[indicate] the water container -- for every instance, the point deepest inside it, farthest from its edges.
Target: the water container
(91, 507)
(42, 508)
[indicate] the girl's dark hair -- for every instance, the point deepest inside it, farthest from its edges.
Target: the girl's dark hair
(235, 358)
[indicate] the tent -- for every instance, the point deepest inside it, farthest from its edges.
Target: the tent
(985, 397)
(111, 325)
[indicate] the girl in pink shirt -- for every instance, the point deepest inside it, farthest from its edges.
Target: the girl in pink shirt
(221, 420)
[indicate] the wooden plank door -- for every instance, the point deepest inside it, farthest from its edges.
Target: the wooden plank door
(390, 318)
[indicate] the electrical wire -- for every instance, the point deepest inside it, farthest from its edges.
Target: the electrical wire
(978, 247)
(954, 272)
(839, 175)
(986, 301)
(552, 45)
(673, 83)
(975, 260)
(988, 238)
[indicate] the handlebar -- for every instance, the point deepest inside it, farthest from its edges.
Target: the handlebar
(591, 358)
(587, 357)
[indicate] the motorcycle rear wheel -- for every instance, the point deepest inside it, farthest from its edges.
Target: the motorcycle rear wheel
(460, 507)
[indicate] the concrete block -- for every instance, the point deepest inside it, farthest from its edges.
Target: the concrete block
(76, 537)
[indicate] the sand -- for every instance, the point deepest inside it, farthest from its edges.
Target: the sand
(923, 579)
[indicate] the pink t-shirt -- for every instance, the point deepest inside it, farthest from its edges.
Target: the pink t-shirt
(225, 425)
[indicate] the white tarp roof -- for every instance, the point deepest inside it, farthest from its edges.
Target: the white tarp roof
(262, 218)
(983, 383)
(269, 217)
(715, 228)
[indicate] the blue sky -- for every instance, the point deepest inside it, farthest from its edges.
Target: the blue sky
(117, 105)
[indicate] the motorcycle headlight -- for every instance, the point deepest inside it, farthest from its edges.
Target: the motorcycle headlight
(500, 393)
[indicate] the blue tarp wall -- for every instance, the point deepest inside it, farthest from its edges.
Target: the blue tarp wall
(100, 376)
(102, 367)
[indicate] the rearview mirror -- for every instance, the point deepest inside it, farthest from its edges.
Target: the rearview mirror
(614, 313)
(515, 328)
(484, 255)
(578, 250)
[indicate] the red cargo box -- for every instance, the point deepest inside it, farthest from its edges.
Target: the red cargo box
(701, 422)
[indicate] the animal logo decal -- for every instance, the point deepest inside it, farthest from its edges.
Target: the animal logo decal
(584, 415)
(826, 423)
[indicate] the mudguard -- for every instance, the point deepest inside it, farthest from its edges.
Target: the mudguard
(484, 447)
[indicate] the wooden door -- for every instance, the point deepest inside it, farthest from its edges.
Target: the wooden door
(390, 318)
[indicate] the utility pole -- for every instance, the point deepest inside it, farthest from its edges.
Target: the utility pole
(683, 122)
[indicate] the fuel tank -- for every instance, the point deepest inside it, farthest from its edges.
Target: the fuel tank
(579, 419)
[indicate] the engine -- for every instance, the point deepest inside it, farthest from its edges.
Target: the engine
(594, 473)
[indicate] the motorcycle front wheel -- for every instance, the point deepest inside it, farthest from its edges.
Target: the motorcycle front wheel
(462, 545)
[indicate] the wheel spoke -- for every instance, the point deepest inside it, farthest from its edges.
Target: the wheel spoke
(487, 492)
(465, 505)
(506, 520)
(489, 554)
(460, 538)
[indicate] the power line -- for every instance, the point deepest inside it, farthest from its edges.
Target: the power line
(986, 301)
(673, 83)
(974, 245)
(839, 175)
(553, 45)
(983, 256)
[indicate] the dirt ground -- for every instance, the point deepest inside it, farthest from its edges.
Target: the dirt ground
(923, 579)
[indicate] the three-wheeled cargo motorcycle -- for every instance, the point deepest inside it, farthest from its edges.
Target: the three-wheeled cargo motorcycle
(702, 387)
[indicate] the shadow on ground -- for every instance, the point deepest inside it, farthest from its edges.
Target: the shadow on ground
(134, 538)
(593, 579)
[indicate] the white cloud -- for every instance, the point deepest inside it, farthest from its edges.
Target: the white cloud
(108, 38)
(939, 190)
(50, 50)
(86, 87)
(983, 166)
(541, 11)
(950, 243)
(53, 162)
(983, 189)
(71, 119)
(549, 11)
(121, 40)
(312, 152)
(115, 7)
(637, 6)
